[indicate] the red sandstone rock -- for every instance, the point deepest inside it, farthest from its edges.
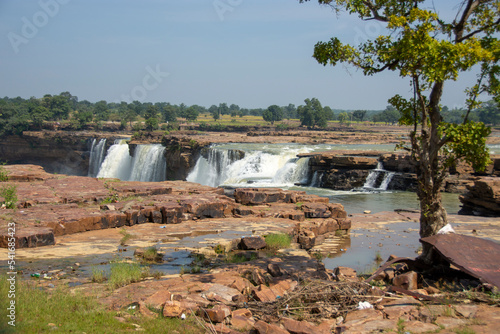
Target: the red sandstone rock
(158, 299)
(316, 210)
(172, 309)
(252, 243)
(299, 327)
(216, 314)
(263, 328)
(406, 281)
(345, 273)
(242, 320)
(264, 294)
(306, 239)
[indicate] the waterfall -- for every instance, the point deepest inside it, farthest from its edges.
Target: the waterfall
(261, 167)
(96, 156)
(316, 179)
(387, 179)
(375, 177)
(213, 170)
(147, 164)
(294, 171)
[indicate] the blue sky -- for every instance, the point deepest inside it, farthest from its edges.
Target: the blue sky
(253, 53)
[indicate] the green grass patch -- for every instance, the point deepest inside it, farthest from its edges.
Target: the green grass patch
(62, 310)
(464, 330)
(123, 273)
(276, 241)
(240, 257)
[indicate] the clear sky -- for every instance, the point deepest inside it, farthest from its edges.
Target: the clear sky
(253, 53)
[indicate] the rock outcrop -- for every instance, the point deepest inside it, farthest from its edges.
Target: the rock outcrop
(52, 205)
(482, 198)
(60, 152)
(347, 170)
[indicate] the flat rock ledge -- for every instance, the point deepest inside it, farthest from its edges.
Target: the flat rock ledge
(53, 205)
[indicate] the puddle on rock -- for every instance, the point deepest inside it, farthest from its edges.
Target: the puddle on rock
(400, 239)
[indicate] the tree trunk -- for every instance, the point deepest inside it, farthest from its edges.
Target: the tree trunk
(432, 218)
(430, 174)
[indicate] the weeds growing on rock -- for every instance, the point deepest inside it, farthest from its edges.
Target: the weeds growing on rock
(151, 254)
(126, 236)
(123, 273)
(98, 275)
(9, 194)
(219, 249)
(240, 258)
(465, 330)
(318, 256)
(277, 241)
(3, 174)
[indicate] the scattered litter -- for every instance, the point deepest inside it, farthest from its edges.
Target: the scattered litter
(446, 229)
(183, 316)
(364, 305)
(164, 226)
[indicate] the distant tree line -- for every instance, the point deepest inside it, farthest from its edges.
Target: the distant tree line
(18, 114)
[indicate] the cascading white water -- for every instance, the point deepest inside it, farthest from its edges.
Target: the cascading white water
(316, 179)
(264, 166)
(96, 156)
(387, 179)
(373, 177)
(147, 164)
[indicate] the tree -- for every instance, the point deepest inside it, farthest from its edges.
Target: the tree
(273, 114)
(101, 111)
(359, 115)
(489, 113)
(191, 113)
(151, 118)
(343, 117)
(214, 110)
(290, 111)
(429, 50)
(223, 109)
(312, 113)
